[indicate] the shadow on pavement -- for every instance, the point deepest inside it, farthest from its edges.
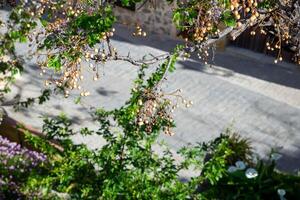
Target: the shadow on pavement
(276, 73)
(200, 67)
(104, 92)
(289, 162)
(161, 42)
(235, 64)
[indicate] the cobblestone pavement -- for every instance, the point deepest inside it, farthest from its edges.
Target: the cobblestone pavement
(243, 89)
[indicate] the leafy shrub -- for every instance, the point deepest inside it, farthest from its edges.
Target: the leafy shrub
(244, 179)
(127, 168)
(261, 182)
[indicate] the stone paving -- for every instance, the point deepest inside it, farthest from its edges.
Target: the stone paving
(259, 99)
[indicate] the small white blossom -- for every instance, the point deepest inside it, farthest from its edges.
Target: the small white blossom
(281, 192)
(232, 169)
(240, 165)
(251, 173)
(255, 158)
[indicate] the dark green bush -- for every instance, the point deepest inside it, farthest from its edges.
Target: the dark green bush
(127, 168)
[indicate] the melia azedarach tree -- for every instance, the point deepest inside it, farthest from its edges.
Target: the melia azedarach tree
(69, 33)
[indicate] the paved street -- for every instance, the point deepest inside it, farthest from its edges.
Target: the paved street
(243, 89)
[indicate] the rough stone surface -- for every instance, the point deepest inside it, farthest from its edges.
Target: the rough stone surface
(154, 17)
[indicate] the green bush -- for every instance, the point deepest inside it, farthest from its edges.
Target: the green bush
(127, 168)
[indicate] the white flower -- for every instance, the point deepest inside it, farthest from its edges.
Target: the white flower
(232, 169)
(251, 173)
(240, 165)
(281, 192)
(275, 156)
(255, 159)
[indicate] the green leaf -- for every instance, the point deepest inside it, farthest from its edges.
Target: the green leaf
(14, 34)
(177, 18)
(228, 18)
(54, 62)
(44, 22)
(77, 100)
(22, 39)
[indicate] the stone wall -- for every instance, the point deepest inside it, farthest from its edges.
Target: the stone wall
(153, 17)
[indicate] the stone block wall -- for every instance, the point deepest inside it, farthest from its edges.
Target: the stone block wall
(153, 17)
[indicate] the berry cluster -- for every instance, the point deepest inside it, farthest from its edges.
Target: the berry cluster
(139, 31)
(156, 109)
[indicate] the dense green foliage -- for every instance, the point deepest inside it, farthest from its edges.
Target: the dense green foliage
(128, 168)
